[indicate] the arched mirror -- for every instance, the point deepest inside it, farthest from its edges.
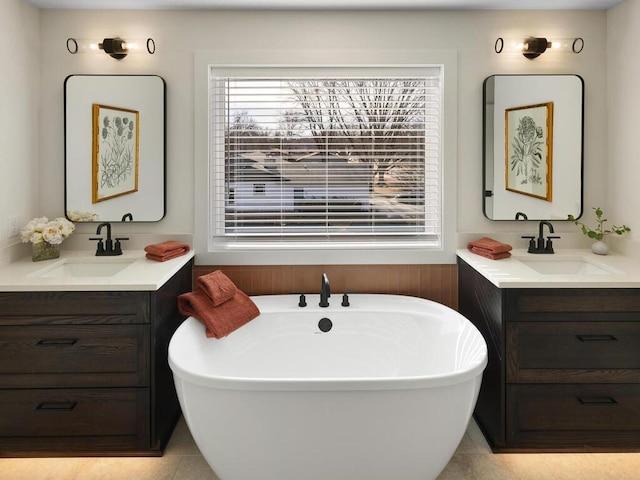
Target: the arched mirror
(533, 141)
(114, 148)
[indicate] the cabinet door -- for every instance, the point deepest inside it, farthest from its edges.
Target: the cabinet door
(575, 352)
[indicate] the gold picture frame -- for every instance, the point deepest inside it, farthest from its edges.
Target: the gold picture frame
(528, 150)
(116, 152)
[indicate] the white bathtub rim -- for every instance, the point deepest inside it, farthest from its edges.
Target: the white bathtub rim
(329, 384)
(271, 303)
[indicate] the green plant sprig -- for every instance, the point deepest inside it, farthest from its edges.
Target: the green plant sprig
(599, 232)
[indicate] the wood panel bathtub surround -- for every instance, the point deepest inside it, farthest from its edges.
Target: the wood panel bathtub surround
(86, 373)
(434, 282)
(564, 365)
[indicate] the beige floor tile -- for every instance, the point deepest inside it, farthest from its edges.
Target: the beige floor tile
(474, 466)
(620, 466)
(194, 468)
(40, 468)
(119, 468)
(467, 445)
(530, 466)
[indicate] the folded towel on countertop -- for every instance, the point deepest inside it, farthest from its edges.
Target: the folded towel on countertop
(488, 254)
(490, 248)
(493, 246)
(217, 286)
(164, 251)
(218, 304)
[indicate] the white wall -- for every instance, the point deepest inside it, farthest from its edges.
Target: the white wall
(623, 102)
(19, 124)
(178, 34)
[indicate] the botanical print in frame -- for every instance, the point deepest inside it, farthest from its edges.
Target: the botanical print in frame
(528, 145)
(115, 152)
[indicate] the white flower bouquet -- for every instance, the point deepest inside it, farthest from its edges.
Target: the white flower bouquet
(42, 230)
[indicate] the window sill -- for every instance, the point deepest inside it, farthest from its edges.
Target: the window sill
(320, 253)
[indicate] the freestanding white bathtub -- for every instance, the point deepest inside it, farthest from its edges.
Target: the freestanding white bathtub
(386, 393)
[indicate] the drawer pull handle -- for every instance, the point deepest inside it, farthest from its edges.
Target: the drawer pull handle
(57, 406)
(597, 400)
(596, 338)
(57, 342)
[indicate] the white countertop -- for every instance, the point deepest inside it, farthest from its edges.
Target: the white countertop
(613, 270)
(140, 273)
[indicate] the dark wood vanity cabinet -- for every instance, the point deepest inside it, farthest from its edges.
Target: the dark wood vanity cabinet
(86, 373)
(564, 365)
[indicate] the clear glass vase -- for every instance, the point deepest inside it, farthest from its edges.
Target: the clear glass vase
(44, 251)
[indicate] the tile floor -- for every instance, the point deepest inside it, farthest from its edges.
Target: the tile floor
(472, 461)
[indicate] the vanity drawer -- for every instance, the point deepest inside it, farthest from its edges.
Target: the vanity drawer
(74, 355)
(572, 305)
(575, 352)
(41, 420)
(578, 415)
(27, 308)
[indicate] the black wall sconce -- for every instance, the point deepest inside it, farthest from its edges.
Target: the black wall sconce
(533, 47)
(117, 47)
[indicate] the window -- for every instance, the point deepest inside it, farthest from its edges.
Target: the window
(337, 156)
(344, 224)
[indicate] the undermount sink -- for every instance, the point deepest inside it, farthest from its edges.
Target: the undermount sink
(83, 267)
(551, 265)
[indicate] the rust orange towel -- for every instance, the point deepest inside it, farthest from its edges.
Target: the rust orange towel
(166, 250)
(217, 286)
(490, 248)
(219, 321)
(218, 304)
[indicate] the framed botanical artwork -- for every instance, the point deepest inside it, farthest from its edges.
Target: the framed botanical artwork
(115, 152)
(528, 150)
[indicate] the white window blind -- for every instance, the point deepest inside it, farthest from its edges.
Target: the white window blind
(322, 156)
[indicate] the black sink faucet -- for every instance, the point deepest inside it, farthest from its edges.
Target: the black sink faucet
(325, 291)
(541, 233)
(106, 248)
(539, 245)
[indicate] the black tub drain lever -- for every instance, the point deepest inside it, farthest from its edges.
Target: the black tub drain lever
(303, 301)
(345, 300)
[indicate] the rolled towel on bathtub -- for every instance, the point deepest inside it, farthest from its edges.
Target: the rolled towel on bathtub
(221, 320)
(164, 251)
(217, 286)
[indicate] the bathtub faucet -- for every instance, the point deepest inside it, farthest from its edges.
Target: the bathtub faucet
(325, 291)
